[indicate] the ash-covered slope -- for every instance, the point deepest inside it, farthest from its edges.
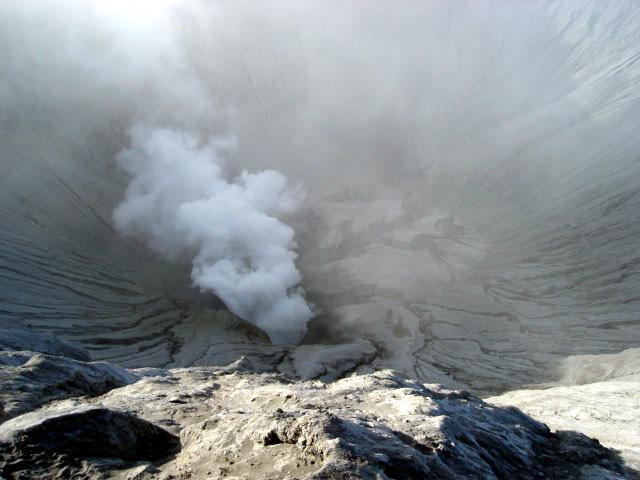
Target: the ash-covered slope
(515, 244)
(597, 396)
(481, 221)
(472, 183)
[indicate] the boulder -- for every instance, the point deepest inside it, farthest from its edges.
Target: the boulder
(42, 443)
(29, 380)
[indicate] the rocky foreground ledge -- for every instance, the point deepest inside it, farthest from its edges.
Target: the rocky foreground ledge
(240, 422)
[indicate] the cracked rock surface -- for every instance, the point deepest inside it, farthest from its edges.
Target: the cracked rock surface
(238, 422)
(319, 412)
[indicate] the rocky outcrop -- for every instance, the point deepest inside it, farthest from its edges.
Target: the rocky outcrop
(61, 443)
(240, 423)
(312, 411)
(373, 426)
(279, 412)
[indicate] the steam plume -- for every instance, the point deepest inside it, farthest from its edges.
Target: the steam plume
(180, 202)
(119, 69)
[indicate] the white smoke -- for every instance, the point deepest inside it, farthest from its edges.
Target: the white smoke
(180, 202)
(180, 199)
(118, 69)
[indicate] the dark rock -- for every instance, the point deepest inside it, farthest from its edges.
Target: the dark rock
(29, 380)
(37, 442)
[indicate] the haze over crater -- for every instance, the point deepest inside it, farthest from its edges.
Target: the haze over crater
(455, 182)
